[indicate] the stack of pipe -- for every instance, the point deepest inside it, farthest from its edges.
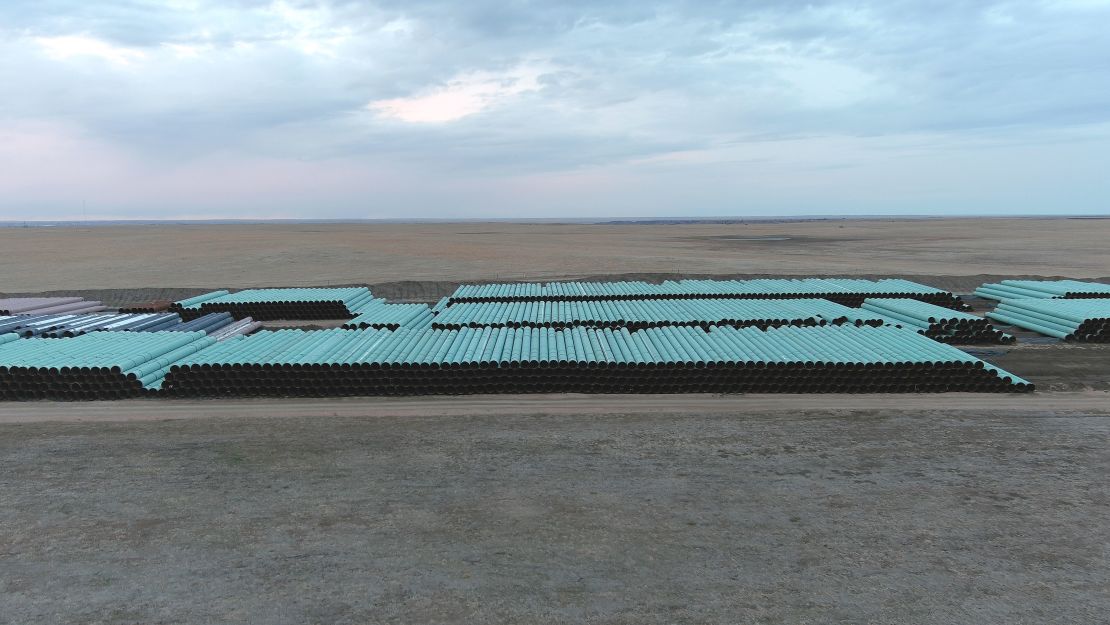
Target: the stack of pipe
(672, 359)
(47, 305)
(189, 308)
(1044, 289)
(847, 291)
(100, 365)
(158, 305)
(379, 314)
(67, 325)
(936, 322)
(641, 314)
(241, 327)
(55, 326)
(271, 304)
(1080, 320)
(198, 299)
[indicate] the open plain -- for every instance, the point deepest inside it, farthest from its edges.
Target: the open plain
(255, 255)
(605, 509)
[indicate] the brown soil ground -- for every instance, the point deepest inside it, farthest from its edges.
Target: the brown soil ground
(241, 256)
(680, 513)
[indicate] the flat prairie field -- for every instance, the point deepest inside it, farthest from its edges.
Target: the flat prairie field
(255, 255)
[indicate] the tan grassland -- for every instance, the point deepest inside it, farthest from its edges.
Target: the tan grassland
(241, 256)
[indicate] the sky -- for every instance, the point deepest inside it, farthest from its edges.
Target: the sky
(243, 109)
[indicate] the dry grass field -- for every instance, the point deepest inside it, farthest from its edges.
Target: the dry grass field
(241, 256)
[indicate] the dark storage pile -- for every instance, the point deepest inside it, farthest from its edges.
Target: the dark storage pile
(847, 291)
(936, 322)
(101, 365)
(154, 306)
(823, 359)
(381, 315)
(69, 325)
(270, 304)
(642, 314)
(1079, 320)
(48, 305)
(1044, 289)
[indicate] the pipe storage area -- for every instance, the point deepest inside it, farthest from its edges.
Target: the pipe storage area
(47, 305)
(379, 314)
(271, 304)
(936, 322)
(726, 336)
(1079, 320)
(847, 291)
(834, 359)
(100, 365)
(158, 305)
(641, 314)
(1043, 289)
(69, 325)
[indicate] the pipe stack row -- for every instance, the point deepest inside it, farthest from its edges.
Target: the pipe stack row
(238, 327)
(100, 365)
(1079, 320)
(642, 314)
(847, 291)
(195, 301)
(936, 322)
(153, 306)
(48, 305)
(269, 304)
(69, 325)
(840, 359)
(379, 314)
(1044, 289)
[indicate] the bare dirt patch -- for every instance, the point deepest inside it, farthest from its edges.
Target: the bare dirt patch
(878, 516)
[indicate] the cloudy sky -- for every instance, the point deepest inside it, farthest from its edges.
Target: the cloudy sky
(520, 108)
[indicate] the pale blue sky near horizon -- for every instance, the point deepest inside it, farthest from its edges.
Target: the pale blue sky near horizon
(244, 109)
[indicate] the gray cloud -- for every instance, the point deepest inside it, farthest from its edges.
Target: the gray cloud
(482, 95)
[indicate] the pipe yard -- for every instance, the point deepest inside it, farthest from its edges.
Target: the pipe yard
(1081, 320)
(661, 360)
(100, 365)
(48, 305)
(936, 322)
(642, 314)
(270, 304)
(1044, 289)
(866, 421)
(221, 325)
(379, 314)
(683, 336)
(846, 291)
